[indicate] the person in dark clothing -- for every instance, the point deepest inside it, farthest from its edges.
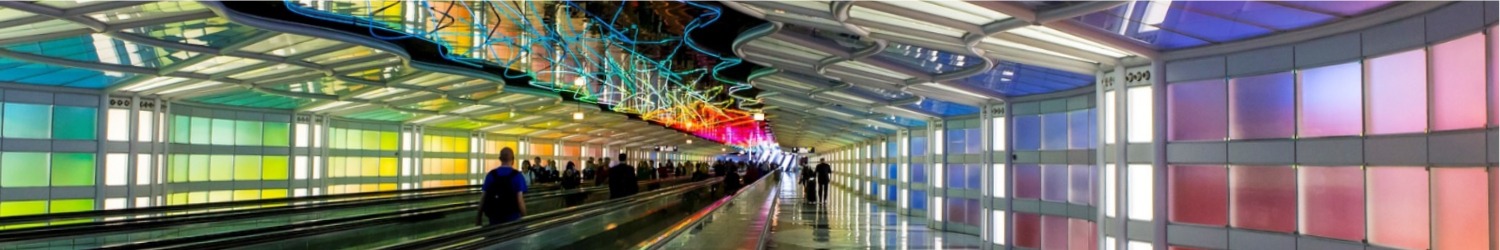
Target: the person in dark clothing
(570, 177)
(825, 175)
(502, 199)
(809, 185)
(622, 181)
(732, 182)
(588, 169)
(601, 178)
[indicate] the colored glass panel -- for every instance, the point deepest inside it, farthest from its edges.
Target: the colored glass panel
(1460, 211)
(1028, 179)
(241, 195)
(17, 208)
(1083, 235)
(1028, 130)
(1263, 198)
(1397, 93)
(29, 121)
(388, 167)
(369, 139)
(1055, 183)
(24, 169)
(1082, 132)
(1196, 111)
(178, 168)
(221, 167)
(198, 167)
(1398, 206)
(336, 138)
(71, 205)
(1055, 131)
(72, 169)
(1332, 202)
(201, 129)
(1458, 84)
(74, 123)
(1198, 194)
(389, 141)
(1328, 104)
(1261, 106)
(181, 128)
(247, 133)
(1028, 230)
(1138, 114)
(277, 134)
(273, 168)
(1081, 184)
(1054, 232)
(247, 167)
(222, 129)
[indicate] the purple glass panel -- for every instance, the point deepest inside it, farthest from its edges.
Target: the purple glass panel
(955, 141)
(1261, 106)
(1028, 133)
(1080, 126)
(954, 210)
(1398, 206)
(1346, 8)
(1028, 179)
(1332, 202)
(1458, 91)
(975, 176)
(1081, 184)
(1263, 198)
(974, 141)
(955, 176)
(1210, 27)
(918, 173)
(1055, 131)
(1397, 93)
(918, 146)
(1054, 232)
(1266, 14)
(1055, 183)
(1196, 111)
(1198, 194)
(1494, 49)
(1329, 106)
(974, 213)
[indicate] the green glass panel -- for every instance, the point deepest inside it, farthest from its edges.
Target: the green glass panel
(72, 205)
(220, 167)
(246, 167)
(200, 130)
(72, 169)
(179, 169)
(223, 131)
(74, 123)
(371, 140)
(389, 140)
(278, 134)
(336, 138)
(18, 169)
(180, 127)
(198, 167)
(274, 168)
(15, 208)
(33, 121)
(247, 133)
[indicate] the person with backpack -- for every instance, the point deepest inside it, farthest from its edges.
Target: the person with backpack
(622, 180)
(502, 199)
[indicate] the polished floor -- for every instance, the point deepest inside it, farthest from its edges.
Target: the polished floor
(847, 221)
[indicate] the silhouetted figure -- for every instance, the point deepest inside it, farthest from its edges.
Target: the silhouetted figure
(502, 199)
(622, 180)
(825, 175)
(570, 177)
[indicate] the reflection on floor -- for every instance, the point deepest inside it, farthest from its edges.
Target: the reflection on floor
(850, 222)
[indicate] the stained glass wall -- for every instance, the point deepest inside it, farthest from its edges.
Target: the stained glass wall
(362, 157)
(49, 163)
(227, 155)
(445, 158)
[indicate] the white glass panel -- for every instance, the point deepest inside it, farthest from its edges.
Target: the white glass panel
(299, 167)
(1109, 189)
(1139, 115)
(937, 142)
(998, 181)
(1139, 193)
(937, 175)
(1109, 117)
(114, 203)
(997, 219)
(115, 169)
(1137, 245)
(1109, 243)
(118, 127)
(998, 131)
(317, 168)
(142, 169)
(902, 198)
(937, 208)
(147, 122)
(302, 136)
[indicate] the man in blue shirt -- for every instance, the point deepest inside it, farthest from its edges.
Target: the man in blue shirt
(504, 186)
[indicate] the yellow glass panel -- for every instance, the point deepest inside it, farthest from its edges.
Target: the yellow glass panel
(354, 139)
(220, 196)
(387, 186)
(460, 166)
(272, 193)
(370, 167)
(177, 199)
(247, 167)
(220, 167)
(445, 144)
(461, 144)
(389, 140)
(17, 208)
(335, 167)
(198, 167)
(368, 187)
(371, 140)
(241, 195)
(388, 166)
(353, 166)
(274, 168)
(197, 197)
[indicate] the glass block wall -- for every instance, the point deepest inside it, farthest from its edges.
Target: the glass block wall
(362, 156)
(48, 164)
(221, 155)
(445, 158)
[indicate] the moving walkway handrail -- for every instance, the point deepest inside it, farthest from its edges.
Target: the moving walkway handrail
(489, 235)
(315, 227)
(212, 206)
(660, 240)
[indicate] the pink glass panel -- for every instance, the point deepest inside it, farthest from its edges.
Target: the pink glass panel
(1397, 91)
(1054, 232)
(1198, 194)
(1196, 111)
(1329, 101)
(1458, 91)
(1460, 205)
(1028, 230)
(1081, 184)
(1262, 106)
(1081, 235)
(1397, 206)
(1332, 202)
(1494, 49)
(1263, 198)
(1028, 180)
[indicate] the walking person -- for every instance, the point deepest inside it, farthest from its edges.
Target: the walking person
(825, 175)
(622, 180)
(503, 200)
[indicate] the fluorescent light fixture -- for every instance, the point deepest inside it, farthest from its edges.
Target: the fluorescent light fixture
(155, 82)
(330, 105)
(430, 118)
(945, 87)
(578, 115)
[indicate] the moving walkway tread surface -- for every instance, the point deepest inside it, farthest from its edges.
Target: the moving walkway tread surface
(351, 230)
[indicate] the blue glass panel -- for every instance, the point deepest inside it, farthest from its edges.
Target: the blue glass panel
(1055, 131)
(1081, 129)
(1028, 133)
(890, 172)
(918, 199)
(30, 121)
(1186, 24)
(1210, 27)
(918, 146)
(918, 173)
(1257, 13)
(1014, 79)
(955, 144)
(890, 192)
(943, 108)
(955, 176)
(926, 60)
(975, 175)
